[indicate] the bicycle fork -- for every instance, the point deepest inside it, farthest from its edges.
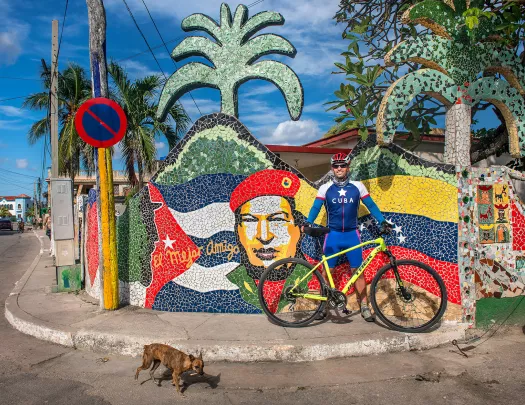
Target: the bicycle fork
(393, 262)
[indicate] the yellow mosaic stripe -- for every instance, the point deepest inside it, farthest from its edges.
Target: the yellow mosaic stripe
(304, 199)
(414, 195)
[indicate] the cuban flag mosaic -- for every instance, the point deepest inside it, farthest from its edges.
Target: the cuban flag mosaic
(222, 208)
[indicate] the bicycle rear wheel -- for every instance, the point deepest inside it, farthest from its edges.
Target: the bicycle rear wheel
(282, 302)
(416, 309)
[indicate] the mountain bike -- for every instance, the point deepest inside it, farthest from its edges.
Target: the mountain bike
(406, 295)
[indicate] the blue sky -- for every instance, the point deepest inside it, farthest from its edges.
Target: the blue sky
(25, 38)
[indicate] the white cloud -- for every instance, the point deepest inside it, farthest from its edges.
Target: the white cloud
(160, 145)
(293, 133)
(137, 69)
(22, 163)
(11, 111)
(13, 33)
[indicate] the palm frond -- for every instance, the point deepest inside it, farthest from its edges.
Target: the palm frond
(258, 22)
(285, 79)
(37, 101)
(396, 99)
(197, 46)
(38, 130)
(189, 77)
(265, 44)
(201, 22)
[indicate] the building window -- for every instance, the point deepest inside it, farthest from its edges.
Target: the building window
(19, 206)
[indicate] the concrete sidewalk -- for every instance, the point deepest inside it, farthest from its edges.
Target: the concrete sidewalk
(76, 321)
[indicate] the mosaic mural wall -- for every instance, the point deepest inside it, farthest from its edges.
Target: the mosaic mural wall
(222, 208)
(500, 235)
(91, 246)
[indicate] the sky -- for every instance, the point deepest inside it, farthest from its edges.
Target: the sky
(25, 38)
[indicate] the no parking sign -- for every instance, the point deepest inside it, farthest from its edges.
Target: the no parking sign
(101, 122)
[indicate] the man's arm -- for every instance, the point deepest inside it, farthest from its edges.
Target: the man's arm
(314, 211)
(374, 209)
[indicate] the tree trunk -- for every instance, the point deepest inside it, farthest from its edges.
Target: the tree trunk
(228, 101)
(141, 173)
(457, 135)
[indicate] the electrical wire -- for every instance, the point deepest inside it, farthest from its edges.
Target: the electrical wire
(167, 50)
(20, 174)
(12, 98)
(18, 78)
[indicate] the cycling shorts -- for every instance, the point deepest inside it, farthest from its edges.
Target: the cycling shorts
(335, 242)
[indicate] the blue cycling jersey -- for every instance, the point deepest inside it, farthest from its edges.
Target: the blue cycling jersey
(342, 204)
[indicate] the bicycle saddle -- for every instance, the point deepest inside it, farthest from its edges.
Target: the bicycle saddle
(310, 230)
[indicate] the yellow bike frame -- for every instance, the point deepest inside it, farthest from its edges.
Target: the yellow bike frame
(324, 261)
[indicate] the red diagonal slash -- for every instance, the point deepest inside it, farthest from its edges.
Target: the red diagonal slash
(101, 122)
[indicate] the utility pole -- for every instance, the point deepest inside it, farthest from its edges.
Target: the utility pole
(54, 100)
(105, 199)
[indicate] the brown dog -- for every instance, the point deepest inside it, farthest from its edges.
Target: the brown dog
(172, 358)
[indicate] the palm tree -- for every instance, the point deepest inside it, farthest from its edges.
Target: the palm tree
(232, 55)
(73, 89)
(4, 212)
(453, 59)
(138, 101)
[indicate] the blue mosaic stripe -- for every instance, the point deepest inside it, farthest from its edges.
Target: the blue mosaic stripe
(432, 238)
(200, 192)
(437, 239)
(176, 298)
(214, 244)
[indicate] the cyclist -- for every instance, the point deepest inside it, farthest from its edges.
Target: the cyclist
(341, 198)
(20, 225)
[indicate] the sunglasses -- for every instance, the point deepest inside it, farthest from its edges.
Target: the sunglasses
(340, 166)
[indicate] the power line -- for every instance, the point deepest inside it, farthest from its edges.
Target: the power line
(151, 51)
(167, 50)
(3, 180)
(12, 98)
(20, 174)
(147, 50)
(18, 78)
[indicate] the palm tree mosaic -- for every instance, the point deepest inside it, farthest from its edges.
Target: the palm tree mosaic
(233, 55)
(461, 67)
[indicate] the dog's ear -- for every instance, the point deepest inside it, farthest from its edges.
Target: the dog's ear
(200, 355)
(191, 357)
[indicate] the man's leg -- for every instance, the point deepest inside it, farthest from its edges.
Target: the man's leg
(355, 257)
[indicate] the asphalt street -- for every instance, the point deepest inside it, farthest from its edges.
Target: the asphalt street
(37, 372)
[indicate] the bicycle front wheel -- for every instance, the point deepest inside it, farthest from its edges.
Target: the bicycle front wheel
(415, 306)
(282, 299)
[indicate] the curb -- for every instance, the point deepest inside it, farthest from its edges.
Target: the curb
(255, 351)
(24, 322)
(233, 351)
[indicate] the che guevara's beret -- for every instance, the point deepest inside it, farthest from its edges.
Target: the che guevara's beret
(265, 182)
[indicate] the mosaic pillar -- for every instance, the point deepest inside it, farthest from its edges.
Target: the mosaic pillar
(457, 135)
(466, 243)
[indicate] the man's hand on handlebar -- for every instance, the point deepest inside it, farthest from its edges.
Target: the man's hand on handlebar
(386, 228)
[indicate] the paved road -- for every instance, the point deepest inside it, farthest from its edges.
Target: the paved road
(36, 372)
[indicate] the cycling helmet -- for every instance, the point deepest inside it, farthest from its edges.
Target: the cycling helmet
(340, 158)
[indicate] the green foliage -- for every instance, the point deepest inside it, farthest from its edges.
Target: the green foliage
(74, 88)
(139, 100)
(373, 29)
(4, 212)
(233, 55)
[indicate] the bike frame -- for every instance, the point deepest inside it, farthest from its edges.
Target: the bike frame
(324, 261)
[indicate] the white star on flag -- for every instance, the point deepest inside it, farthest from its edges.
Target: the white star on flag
(401, 238)
(397, 229)
(342, 192)
(168, 242)
(362, 227)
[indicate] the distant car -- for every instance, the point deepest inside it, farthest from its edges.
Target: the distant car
(6, 224)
